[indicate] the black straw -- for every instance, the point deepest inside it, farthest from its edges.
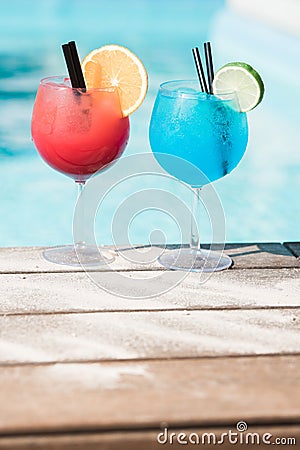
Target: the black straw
(77, 65)
(200, 71)
(73, 65)
(70, 65)
(209, 65)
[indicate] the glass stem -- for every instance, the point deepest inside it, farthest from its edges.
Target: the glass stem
(195, 234)
(81, 216)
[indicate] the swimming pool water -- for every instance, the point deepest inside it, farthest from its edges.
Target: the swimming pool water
(260, 198)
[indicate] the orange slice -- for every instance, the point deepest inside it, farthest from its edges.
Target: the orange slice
(116, 66)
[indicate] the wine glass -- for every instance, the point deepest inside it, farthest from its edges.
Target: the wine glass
(210, 134)
(78, 133)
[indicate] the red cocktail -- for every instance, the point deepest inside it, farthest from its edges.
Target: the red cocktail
(78, 133)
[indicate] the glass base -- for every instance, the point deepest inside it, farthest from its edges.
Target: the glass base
(191, 260)
(79, 255)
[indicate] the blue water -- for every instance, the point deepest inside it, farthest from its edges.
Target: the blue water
(203, 130)
(260, 197)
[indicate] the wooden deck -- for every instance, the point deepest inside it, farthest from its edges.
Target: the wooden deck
(82, 368)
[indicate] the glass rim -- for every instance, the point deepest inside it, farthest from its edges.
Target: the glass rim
(49, 82)
(168, 92)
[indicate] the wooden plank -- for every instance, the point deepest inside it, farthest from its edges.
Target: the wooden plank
(122, 395)
(244, 255)
(261, 255)
(148, 440)
(293, 247)
(136, 335)
(76, 292)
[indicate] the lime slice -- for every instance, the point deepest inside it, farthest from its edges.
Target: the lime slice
(242, 79)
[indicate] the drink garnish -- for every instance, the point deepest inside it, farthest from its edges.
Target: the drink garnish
(236, 77)
(114, 66)
(243, 80)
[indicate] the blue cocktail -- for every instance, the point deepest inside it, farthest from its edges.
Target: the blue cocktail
(208, 132)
